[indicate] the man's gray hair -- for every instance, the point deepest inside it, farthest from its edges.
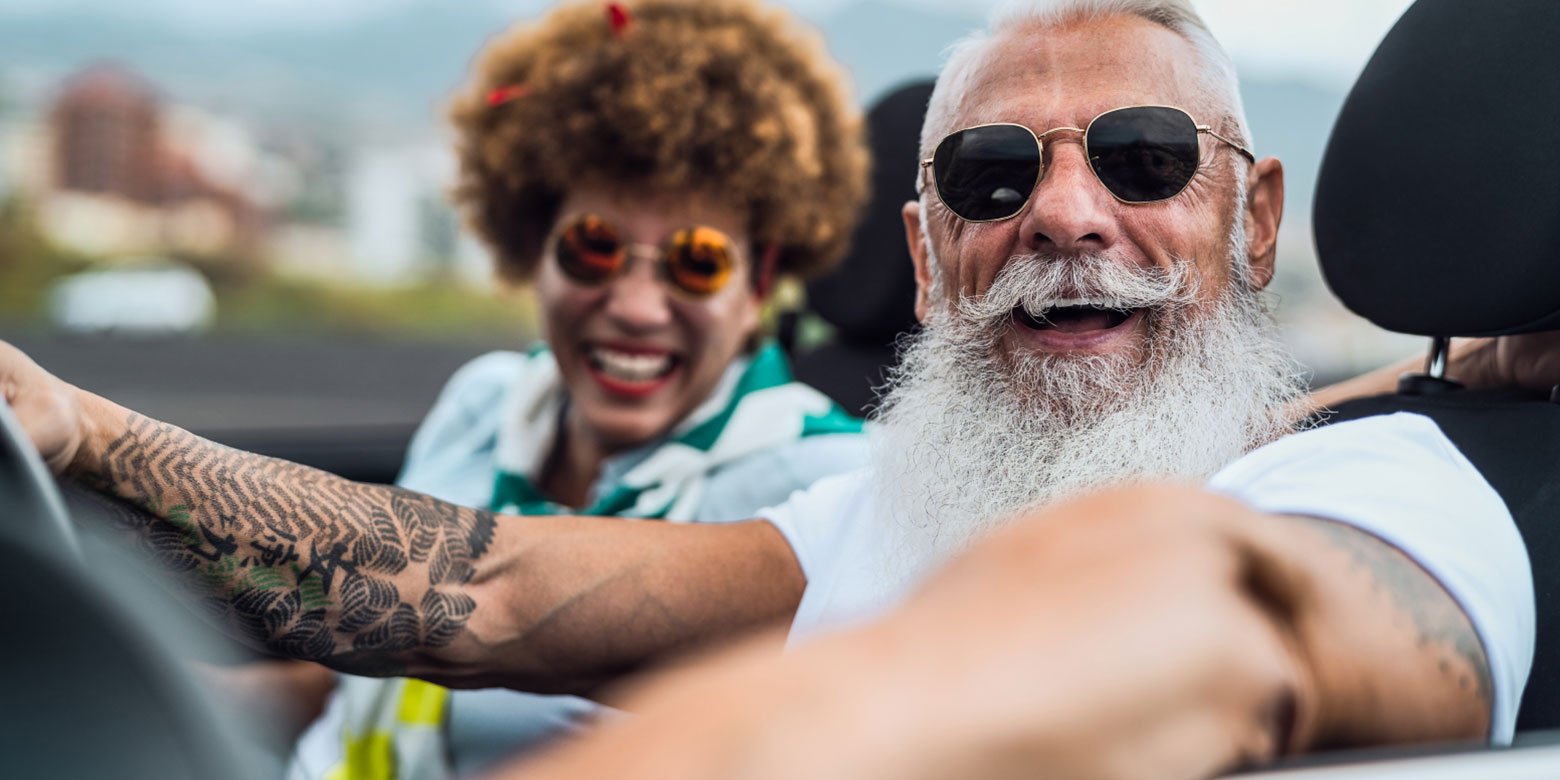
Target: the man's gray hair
(1220, 89)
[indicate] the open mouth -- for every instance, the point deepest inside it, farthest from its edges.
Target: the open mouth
(1075, 316)
(631, 367)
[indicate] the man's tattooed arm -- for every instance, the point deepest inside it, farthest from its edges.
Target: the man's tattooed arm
(305, 563)
(1395, 656)
(1439, 624)
(376, 580)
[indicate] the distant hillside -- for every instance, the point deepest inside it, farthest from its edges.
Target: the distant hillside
(389, 76)
(394, 69)
(397, 66)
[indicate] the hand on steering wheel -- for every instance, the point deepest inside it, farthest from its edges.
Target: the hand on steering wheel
(35, 514)
(47, 408)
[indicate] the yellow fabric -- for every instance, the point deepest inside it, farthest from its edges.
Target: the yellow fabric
(422, 704)
(369, 757)
(374, 755)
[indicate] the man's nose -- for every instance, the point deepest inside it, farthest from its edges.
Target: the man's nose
(636, 299)
(1070, 211)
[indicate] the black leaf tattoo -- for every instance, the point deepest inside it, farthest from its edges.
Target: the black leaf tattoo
(443, 616)
(307, 564)
(364, 601)
(281, 612)
(405, 628)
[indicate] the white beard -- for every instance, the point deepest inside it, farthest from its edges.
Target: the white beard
(969, 436)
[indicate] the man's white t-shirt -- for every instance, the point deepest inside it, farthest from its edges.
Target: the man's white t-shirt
(1397, 477)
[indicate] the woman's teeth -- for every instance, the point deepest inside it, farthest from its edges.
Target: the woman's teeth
(630, 367)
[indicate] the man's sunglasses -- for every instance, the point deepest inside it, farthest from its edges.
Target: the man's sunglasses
(696, 260)
(1141, 154)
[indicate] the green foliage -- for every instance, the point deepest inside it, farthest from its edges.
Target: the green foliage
(29, 264)
(251, 299)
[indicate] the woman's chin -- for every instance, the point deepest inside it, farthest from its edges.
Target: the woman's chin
(624, 429)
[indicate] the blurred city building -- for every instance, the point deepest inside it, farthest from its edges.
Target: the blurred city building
(401, 226)
(106, 138)
(127, 172)
(129, 175)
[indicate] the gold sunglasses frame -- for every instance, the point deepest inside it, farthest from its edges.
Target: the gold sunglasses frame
(657, 254)
(926, 164)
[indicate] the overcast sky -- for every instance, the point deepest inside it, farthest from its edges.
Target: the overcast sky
(1326, 39)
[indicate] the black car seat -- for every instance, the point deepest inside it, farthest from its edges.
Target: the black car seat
(1437, 213)
(869, 300)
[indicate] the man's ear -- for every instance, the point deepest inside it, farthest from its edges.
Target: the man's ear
(1264, 211)
(916, 242)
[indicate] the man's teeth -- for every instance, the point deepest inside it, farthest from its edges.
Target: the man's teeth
(1094, 303)
(630, 367)
(1039, 308)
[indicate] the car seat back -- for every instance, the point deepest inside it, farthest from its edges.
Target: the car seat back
(1437, 213)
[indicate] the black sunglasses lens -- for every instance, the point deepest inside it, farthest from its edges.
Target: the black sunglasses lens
(1144, 154)
(986, 173)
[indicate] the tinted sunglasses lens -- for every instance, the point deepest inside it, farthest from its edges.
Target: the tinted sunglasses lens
(590, 251)
(1143, 154)
(986, 173)
(700, 260)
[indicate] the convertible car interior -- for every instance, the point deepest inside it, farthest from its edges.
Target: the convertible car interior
(1437, 214)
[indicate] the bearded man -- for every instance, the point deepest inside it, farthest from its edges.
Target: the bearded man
(1090, 245)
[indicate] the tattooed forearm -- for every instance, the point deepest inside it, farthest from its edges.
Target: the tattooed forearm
(310, 565)
(1435, 616)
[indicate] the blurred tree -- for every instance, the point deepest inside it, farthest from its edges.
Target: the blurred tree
(29, 264)
(433, 310)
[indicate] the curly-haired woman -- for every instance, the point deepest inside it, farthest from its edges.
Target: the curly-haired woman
(651, 167)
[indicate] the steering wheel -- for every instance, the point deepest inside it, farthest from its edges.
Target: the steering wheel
(35, 513)
(98, 638)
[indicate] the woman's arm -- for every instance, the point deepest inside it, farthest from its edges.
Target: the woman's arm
(1530, 361)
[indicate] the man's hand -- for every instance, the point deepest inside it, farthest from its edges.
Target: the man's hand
(48, 408)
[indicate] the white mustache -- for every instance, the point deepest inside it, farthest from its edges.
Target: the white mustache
(1038, 283)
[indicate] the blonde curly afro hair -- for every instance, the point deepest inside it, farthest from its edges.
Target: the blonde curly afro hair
(729, 99)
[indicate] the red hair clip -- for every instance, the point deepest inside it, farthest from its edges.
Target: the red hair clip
(618, 17)
(503, 95)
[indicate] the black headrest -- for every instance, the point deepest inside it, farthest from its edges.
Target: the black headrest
(1438, 204)
(871, 295)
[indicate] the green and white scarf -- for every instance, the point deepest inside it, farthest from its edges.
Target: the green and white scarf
(756, 406)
